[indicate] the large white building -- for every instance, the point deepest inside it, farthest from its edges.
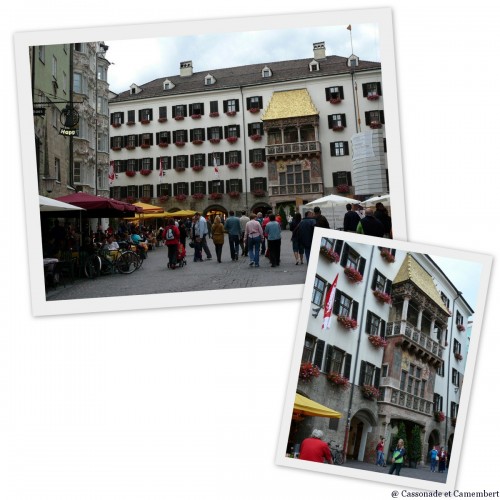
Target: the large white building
(280, 133)
(400, 364)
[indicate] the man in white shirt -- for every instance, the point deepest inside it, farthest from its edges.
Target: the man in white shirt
(243, 224)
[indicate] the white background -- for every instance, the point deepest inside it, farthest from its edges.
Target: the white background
(187, 403)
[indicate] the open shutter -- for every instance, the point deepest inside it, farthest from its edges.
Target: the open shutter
(367, 118)
(388, 287)
(374, 279)
(347, 365)
(327, 94)
(343, 120)
(368, 322)
(382, 328)
(345, 253)
(376, 381)
(330, 121)
(338, 246)
(382, 117)
(365, 90)
(362, 372)
(354, 313)
(379, 88)
(251, 155)
(361, 265)
(248, 103)
(328, 358)
(240, 185)
(318, 355)
(239, 157)
(336, 302)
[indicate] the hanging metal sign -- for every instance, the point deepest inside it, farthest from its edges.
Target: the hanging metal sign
(69, 118)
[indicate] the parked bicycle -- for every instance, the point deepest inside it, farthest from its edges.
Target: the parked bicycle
(101, 262)
(337, 454)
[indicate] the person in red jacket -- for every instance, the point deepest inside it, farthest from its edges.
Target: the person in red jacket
(171, 235)
(315, 449)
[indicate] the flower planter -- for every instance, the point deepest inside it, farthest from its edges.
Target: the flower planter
(146, 199)
(231, 113)
(180, 197)
(179, 118)
(256, 137)
(180, 169)
(382, 296)
(130, 199)
(145, 172)
(377, 341)
(145, 122)
(195, 117)
(342, 188)
(198, 196)
(375, 125)
(329, 254)
(164, 198)
(198, 168)
(258, 164)
(335, 100)
(233, 165)
(130, 173)
(179, 144)
(234, 194)
(130, 147)
(130, 123)
(460, 328)
(347, 323)
(214, 114)
(162, 120)
(259, 193)
(338, 380)
(353, 275)
(116, 148)
(163, 144)
(145, 146)
(439, 416)
(373, 97)
(215, 196)
(458, 356)
(386, 255)
(370, 392)
(254, 110)
(232, 140)
(214, 141)
(116, 125)
(338, 128)
(197, 142)
(308, 371)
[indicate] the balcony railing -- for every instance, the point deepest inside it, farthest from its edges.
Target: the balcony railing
(406, 400)
(316, 187)
(416, 341)
(293, 147)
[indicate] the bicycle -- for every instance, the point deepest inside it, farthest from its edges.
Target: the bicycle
(337, 455)
(123, 261)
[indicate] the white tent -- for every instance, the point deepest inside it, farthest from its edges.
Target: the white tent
(51, 205)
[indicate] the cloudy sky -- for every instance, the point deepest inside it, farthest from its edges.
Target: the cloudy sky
(142, 60)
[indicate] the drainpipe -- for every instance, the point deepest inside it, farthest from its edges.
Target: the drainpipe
(449, 374)
(360, 323)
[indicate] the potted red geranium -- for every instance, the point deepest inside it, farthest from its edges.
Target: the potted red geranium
(308, 371)
(353, 274)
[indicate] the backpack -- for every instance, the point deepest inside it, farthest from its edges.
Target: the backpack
(169, 235)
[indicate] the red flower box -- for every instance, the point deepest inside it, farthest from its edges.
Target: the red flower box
(338, 128)
(232, 140)
(214, 114)
(343, 188)
(370, 391)
(458, 356)
(180, 144)
(215, 196)
(256, 137)
(145, 146)
(129, 147)
(231, 113)
(461, 328)
(373, 97)
(195, 117)
(116, 148)
(180, 197)
(308, 371)
(348, 323)
(178, 117)
(130, 173)
(145, 171)
(377, 341)
(254, 110)
(197, 141)
(163, 144)
(116, 125)
(146, 199)
(385, 254)
(335, 100)
(145, 122)
(329, 254)
(215, 141)
(233, 165)
(234, 194)
(162, 120)
(439, 416)
(258, 164)
(130, 199)
(130, 123)
(353, 274)
(259, 193)
(198, 196)
(180, 169)
(339, 380)
(375, 124)
(197, 168)
(164, 197)
(382, 296)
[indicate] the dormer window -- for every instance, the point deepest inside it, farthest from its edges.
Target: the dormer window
(168, 85)
(209, 79)
(314, 65)
(353, 61)
(266, 72)
(134, 89)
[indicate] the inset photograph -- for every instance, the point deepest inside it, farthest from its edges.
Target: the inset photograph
(383, 360)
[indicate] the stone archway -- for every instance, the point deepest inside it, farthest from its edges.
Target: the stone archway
(432, 441)
(260, 206)
(212, 210)
(362, 423)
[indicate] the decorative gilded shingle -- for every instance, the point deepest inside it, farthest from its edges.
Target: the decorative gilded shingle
(290, 104)
(412, 271)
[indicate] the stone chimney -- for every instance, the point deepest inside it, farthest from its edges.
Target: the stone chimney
(187, 68)
(319, 50)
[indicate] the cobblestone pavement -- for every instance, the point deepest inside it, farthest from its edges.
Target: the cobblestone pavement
(421, 472)
(155, 277)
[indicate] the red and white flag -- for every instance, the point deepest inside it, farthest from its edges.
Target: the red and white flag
(216, 168)
(327, 315)
(161, 174)
(111, 172)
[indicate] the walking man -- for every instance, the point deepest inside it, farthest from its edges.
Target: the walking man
(232, 228)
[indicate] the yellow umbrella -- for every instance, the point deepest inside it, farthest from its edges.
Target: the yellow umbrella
(304, 406)
(180, 213)
(149, 209)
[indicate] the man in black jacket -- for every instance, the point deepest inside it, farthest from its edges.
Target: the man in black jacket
(321, 220)
(370, 226)
(351, 219)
